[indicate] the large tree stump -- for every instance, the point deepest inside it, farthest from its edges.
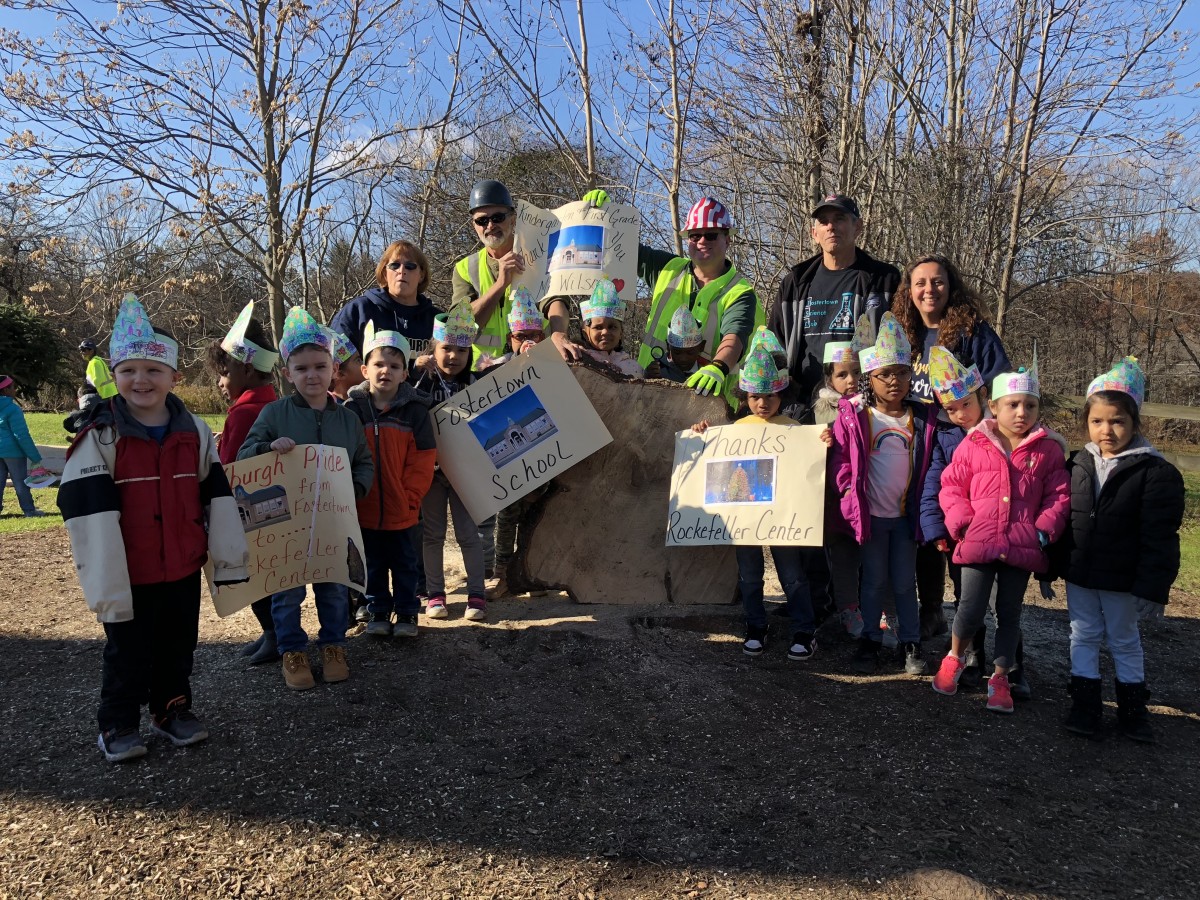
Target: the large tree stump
(599, 533)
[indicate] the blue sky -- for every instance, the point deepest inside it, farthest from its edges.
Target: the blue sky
(514, 406)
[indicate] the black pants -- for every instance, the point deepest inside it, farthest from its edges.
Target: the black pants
(931, 576)
(149, 659)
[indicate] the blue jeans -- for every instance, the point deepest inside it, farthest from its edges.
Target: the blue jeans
(18, 467)
(1099, 615)
(889, 563)
(333, 611)
(790, 569)
(391, 554)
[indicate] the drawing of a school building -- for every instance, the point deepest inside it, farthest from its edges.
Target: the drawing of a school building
(516, 437)
(576, 256)
(263, 507)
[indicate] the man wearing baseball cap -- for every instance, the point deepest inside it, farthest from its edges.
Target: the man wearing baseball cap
(98, 382)
(820, 299)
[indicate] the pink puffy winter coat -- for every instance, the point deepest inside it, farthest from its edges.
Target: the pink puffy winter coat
(995, 504)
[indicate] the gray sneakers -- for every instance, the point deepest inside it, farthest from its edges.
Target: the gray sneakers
(119, 745)
(181, 728)
(405, 627)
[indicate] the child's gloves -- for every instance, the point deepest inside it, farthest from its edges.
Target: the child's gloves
(596, 197)
(1043, 540)
(1046, 589)
(709, 380)
(1148, 610)
(943, 545)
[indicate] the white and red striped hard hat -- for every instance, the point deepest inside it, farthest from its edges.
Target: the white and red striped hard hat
(706, 214)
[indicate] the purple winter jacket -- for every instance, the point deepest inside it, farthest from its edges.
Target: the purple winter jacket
(996, 504)
(851, 461)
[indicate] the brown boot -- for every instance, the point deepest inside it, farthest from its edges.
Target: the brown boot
(501, 590)
(296, 671)
(333, 662)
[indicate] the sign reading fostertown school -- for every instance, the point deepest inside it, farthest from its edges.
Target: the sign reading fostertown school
(748, 484)
(514, 429)
(301, 523)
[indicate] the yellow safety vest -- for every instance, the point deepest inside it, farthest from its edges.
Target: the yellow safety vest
(473, 269)
(100, 377)
(673, 289)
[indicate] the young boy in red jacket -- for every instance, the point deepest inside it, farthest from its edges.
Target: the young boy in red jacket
(396, 419)
(145, 502)
(243, 362)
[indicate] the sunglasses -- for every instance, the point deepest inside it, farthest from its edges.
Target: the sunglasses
(406, 266)
(494, 218)
(707, 235)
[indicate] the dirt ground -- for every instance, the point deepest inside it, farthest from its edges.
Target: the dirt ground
(564, 751)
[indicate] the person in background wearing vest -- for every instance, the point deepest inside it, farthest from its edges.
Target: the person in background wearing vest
(705, 282)
(98, 382)
(822, 298)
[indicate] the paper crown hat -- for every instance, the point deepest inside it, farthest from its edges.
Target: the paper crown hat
(373, 340)
(603, 303)
(765, 338)
(134, 337)
(299, 328)
(524, 315)
(1126, 376)
(839, 352)
(888, 346)
(343, 347)
(949, 379)
(684, 330)
(456, 327)
(759, 375)
(246, 351)
(1022, 381)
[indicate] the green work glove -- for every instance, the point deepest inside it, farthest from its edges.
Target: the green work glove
(709, 380)
(597, 197)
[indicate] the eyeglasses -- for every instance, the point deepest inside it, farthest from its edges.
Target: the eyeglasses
(893, 377)
(407, 266)
(707, 235)
(494, 218)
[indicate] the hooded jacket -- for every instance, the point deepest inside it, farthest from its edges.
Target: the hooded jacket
(240, 418)
(1124, 525)
(15, 442)
(377, 305)
(995, 504)
(140, 513)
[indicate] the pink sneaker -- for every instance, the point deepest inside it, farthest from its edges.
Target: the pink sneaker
(476, 609)
(946, 679)
(999, 696)
(435, 606)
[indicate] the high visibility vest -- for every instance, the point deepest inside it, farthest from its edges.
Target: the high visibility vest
(473, 269)
(99, 376)
(674, 289)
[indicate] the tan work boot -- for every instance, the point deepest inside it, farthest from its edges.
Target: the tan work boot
(333, 661)
(296, 671)
(500, 591)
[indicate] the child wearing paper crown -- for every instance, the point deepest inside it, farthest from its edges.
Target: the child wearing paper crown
(145, 502)
(762, 383)
(310, 416)
(453, 335)
(1005, 498)
(602, 327)
(395, 417)
(882, 443)
(685, 343)
(243, 362)
(346, 375)
(17, 449)
(1121, 548)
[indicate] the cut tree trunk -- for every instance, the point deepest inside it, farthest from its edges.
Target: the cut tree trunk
(599, 533)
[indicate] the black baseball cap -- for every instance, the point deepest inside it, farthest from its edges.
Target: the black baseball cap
(838, 201)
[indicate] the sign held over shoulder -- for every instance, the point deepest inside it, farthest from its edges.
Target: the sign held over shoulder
(515, 428)
(750, 485)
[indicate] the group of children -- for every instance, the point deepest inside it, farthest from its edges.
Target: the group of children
(987, 482)
(989, 485)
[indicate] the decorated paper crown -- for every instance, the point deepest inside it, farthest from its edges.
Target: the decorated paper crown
(1022, 381)
(299, 328)
(949, 379)
(604, 302)
(1126, 376)
(40, 477)
(456, 327)
(765, 338)
(134, 337)
(373, 340)
(759, 374)
(343, 347)
(837, 352)
(684, 330)
(246, 351)
(887, 347)
(524, 315)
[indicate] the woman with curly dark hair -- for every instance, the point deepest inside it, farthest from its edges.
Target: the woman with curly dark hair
(935, 307)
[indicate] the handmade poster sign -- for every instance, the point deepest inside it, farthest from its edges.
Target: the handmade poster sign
(748, 484)
(514, 429)
(568, 248)
(301, 523)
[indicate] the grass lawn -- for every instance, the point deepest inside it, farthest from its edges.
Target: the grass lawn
(46, 428)
(1189, 539)
(12, 520)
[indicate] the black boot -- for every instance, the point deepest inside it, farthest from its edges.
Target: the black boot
(268, 650)
(1133, 719)
(1087, 709)
(933, 619)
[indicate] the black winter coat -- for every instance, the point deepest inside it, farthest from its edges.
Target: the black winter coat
(1127, 539)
